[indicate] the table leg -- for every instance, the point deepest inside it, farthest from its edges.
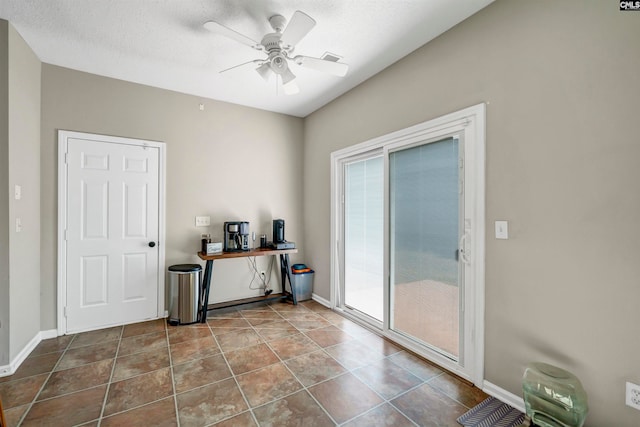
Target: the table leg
(206, 286)
(285, 272)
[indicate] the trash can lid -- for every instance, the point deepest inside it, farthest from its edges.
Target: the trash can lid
(185, 268)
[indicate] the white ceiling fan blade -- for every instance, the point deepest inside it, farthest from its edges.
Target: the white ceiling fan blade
(299, 26)
(218, 28)
(255, 61)
(336, 68)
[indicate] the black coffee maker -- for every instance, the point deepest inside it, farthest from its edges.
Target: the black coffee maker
(236, 236)
(278, 231)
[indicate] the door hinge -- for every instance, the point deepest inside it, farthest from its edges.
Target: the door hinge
(66, 234)
(65, 311)
(461, 164)
(66, 158)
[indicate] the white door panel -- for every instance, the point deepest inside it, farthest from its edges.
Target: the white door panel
(112, 215)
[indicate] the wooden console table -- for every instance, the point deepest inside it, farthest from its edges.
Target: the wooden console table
(285, 273)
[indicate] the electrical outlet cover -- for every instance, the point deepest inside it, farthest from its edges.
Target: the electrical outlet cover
(633, 395)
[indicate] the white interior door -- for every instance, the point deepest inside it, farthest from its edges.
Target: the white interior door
(111, 249)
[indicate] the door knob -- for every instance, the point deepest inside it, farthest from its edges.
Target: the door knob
(152, 244)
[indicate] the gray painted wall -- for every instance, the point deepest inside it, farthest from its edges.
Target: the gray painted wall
(20, 165)
(229, 162)
(561, 83)
(24, 170)
(4, 194)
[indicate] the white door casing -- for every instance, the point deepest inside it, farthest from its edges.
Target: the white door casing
(469, 124)
(111, 207)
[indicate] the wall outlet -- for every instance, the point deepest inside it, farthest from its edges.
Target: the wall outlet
(203, 221)
(633, 395)
(262, 274)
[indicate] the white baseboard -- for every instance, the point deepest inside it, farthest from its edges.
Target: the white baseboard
(504, 396)
(13, 366)
(321, 300)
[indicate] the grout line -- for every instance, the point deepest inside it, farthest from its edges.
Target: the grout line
(22, 418)
(113, 369)
(173, 381)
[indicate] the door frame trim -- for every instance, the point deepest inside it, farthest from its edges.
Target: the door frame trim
(473, 121)
(63, 137)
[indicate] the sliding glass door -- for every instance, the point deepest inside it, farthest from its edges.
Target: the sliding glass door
(363, 236)
(408, 238)
(425, 204)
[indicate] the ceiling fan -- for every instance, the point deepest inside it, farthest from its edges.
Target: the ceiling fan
(279, 48)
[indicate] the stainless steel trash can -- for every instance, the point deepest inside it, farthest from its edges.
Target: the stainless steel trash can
(184, 288)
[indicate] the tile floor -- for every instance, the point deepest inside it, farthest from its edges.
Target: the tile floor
(268, 365)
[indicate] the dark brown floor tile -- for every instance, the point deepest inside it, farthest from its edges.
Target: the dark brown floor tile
(223, 331)
(21, 391)
(328, 336)
(209, 404)
(245, 420)
(282, 306)
(14, 415)
(179, 334)
(139, 343)
(308, 325)
(140, 363)
(345, 397)
(238, 339)
(297, 315)
(224, 314)
(429, 407)
(354, 330)
(96, 337)
(265, 315)
(464, 393)
(418, 367)
(299, 409)
(34, 366)
(52, 345)
(333, 317)
(75, 357)
(295, 345)
(228, 323)
(269, 334)
(157, 414)
(143, 328)
(193, 350)
(76, 379)
(354, 354)
(315, 367)
(267, 384)
(314, 306)
(137, 391)
(277, 324)
(377, 343)
(250, 358)
(383, 415)
(68, 410)
(387, 378)
(200, 372)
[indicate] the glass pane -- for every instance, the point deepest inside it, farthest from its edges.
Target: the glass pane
(363, 258)
(424, 227)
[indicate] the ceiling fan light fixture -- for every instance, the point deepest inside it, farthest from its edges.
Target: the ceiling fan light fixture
(279, 64)
(265, 71)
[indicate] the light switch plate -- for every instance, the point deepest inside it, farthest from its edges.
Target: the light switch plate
(203, 221)
(502, 229)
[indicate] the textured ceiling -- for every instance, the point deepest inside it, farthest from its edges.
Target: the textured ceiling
(162, 43)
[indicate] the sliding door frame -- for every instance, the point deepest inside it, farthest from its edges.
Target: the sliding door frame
(469, 123)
